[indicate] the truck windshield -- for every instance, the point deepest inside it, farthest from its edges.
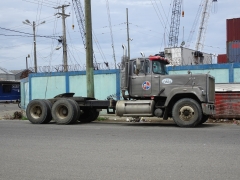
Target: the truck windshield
(158, 68)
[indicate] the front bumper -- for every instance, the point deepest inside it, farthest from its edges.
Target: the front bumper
(208, 109)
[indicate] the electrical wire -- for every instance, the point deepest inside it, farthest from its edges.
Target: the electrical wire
(157, 14)
(110, 27)
(37, 3)
(194, 26)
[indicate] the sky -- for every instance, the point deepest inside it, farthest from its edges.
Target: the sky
(149, 24)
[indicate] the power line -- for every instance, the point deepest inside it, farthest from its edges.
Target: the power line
(31, 35)
(37, 3)
(157, 14)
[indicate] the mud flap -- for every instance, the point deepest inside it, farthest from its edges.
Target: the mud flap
(165, 115)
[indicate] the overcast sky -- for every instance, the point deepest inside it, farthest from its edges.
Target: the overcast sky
(147, 18)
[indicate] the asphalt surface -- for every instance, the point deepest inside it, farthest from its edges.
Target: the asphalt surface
(118, 150)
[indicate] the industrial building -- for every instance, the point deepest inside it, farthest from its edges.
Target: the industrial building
(181, 56)
(9, 87)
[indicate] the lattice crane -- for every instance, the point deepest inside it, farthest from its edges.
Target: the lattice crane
(175, 23)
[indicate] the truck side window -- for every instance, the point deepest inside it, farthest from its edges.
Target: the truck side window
(142, 67)
(134, 67)
(157, 68)
(147, 67)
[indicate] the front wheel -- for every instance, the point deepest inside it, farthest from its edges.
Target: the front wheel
(204, 119)
(187, 113)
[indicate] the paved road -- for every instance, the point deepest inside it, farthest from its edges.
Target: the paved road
(108, 151)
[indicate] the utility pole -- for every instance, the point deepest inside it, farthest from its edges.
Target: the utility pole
(27, 61)
(89, 50)
(64, 39)
(27, 22)
(128, 39)
(35, 49)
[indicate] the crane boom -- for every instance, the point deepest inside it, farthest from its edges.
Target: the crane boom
(203, 24)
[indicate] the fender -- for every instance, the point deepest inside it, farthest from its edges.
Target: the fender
(186, 90)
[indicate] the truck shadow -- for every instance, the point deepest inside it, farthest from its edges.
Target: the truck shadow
(152, 124)
(140, 124)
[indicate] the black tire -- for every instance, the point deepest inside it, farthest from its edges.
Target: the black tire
(37, 112)
(204, 119)
(187, 113)
(89, 115)
(77, 109)
(49, 108)
(64, 112)
(19, 104)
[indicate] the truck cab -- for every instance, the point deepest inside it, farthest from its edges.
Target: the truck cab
(144, 76)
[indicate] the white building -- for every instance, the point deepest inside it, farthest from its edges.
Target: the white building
(181, 56)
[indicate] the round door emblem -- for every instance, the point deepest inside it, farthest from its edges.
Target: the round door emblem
(146, 85)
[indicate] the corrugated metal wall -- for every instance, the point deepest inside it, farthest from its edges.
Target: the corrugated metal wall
(222, 58)
(233, 51)
(233, 40)
(233, 29)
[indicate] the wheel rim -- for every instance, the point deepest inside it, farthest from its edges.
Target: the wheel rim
(62, 112)
(186, 113)
(36, 111)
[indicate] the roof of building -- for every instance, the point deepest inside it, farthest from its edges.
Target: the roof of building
(4, 71)
(16, 71)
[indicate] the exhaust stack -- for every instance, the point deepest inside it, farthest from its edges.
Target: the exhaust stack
(124, 72)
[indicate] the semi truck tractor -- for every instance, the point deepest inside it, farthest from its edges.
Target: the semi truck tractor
(147, 91)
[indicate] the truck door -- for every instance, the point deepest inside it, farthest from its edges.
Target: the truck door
(141, 83)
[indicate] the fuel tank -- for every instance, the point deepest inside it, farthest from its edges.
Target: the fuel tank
(135, 108)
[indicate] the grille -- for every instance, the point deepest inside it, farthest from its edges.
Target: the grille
(211, 89)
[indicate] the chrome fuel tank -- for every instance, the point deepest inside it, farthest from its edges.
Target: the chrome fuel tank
(135, 108)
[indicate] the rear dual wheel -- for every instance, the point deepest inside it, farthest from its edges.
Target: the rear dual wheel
(65, 111)
(39, 111)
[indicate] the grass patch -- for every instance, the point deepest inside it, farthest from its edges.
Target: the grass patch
(24, 118)
(102, 118)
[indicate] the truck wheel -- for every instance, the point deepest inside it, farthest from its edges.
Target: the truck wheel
(89, 115)
(77, 108)
(49, 108)
(64, 112)
(38, 112)
(187, 113)
(204, 119)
